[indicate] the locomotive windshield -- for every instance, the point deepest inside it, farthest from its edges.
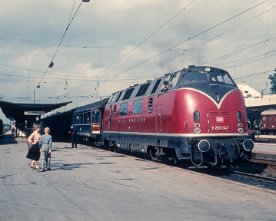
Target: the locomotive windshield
(221, 77)
(201, 76)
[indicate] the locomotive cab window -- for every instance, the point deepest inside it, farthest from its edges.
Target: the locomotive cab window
(172, 79)
(194, 77)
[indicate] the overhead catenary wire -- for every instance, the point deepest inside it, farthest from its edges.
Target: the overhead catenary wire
(196, 35)
(239, 50)
(190, 38)
(251, 75)
(51, 72)
(60, 42)
(153, 33)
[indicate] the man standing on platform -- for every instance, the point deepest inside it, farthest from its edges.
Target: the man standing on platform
(74, 138)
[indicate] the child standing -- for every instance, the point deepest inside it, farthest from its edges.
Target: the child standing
(45, 144)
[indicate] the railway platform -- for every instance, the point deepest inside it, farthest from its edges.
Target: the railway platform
(94, 184)
(264, 151)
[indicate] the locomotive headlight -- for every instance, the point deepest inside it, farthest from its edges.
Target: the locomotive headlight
(197, 125)
(248, 145)
(239, 124)
(240, 130)
(197, 130)
(203, 145)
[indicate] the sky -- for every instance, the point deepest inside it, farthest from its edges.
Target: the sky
(111, 45)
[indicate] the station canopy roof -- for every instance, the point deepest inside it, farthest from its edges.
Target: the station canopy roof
(17, 111)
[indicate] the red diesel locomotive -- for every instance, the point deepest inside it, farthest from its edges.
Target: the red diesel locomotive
(195, 114)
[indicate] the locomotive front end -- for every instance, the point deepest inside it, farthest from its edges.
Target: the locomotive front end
(214, 116)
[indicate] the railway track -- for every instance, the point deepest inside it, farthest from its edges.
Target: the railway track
(258, 173)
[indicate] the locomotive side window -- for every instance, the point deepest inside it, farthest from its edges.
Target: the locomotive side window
(112, 98)
(150, 104)
(128, 93)
(142, 90)
(123, 109)
(155, 86)
(137, 107)
(114, 110)
(119, 96)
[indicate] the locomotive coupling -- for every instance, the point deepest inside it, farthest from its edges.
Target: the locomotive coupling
(203, 145)
(248, 145)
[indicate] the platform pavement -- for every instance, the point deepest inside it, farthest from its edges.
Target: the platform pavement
(94, 184)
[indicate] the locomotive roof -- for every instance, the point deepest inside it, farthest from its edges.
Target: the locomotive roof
(269, 112)
(96, 105)
(158, 85)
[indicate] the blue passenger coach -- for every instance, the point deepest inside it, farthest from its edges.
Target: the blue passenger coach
(88, 120)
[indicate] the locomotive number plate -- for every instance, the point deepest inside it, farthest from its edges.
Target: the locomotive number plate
(218, 128)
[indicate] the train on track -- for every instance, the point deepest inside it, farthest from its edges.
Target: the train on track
(268, 122)
(196, 114)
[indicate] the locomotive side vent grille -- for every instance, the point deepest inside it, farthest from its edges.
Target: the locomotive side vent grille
(224, 113)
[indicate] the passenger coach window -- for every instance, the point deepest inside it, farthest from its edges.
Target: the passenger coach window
(81, 118)
(89, 117)
(150, 104)
(95, 116)
(123, 109)
(77, 119)
(85, 118)
(74, 119)
(137, 107)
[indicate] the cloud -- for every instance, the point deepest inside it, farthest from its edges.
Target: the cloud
(110, 43)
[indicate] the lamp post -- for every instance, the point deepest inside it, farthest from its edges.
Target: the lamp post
(38, 86)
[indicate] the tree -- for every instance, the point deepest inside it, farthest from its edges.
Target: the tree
(272, 79)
